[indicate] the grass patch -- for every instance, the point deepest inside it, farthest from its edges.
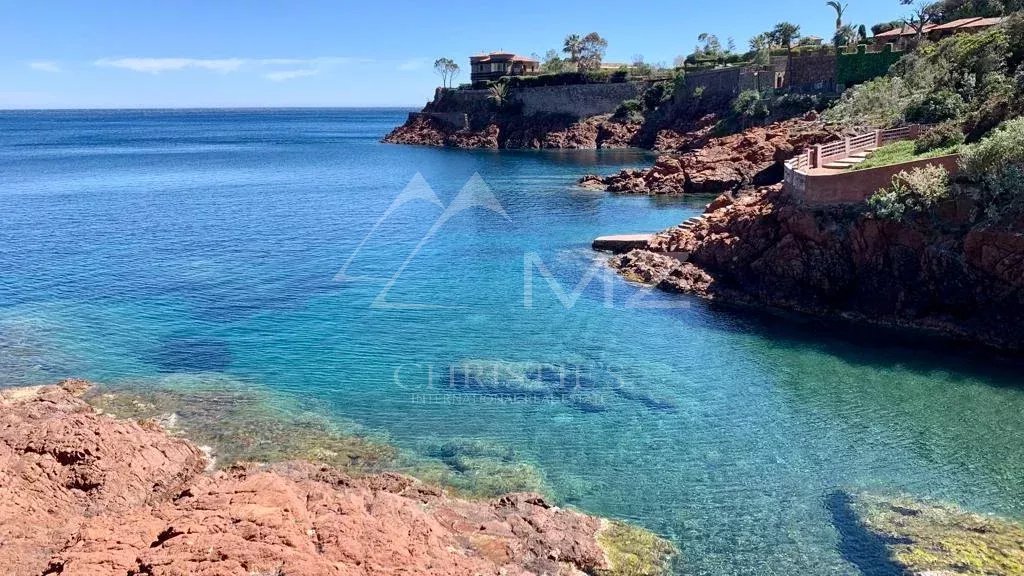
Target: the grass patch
(633, 551)
(899, 152)
(942, 539)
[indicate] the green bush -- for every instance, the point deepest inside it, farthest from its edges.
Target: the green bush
(966, 76)
(790, 104)
(656, 94)
(878, 103)
(911, 192)
(942, 136)
(936, 107)
(750, 107)
(631, 110)
(994, 168)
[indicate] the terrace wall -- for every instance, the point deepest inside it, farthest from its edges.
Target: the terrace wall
(854, 186)
(577, 100)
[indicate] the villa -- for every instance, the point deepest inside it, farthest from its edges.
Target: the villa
(902, 36)
(498, 64)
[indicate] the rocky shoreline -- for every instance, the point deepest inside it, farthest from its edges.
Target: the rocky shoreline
(762, 248)
(753, 157)
(538, 132)
(110, 496)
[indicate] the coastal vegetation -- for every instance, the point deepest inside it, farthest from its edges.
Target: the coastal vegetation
(911, 192)
(969, 87)
(971, 79)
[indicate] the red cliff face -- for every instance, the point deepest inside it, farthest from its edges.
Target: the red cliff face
(86, 494)
(933, 273)
(534, 132)
(752, 157)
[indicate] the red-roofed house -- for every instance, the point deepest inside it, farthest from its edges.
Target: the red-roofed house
(901, 36)
(497, 64)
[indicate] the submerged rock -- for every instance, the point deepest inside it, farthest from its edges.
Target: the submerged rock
(83, 493)
(240, 423)
(933, 539)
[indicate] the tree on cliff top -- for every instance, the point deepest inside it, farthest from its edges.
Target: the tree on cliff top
(574, 48)
(586, 52)
(592, 50)
(783, 35)
(922, 15)
(447, 69)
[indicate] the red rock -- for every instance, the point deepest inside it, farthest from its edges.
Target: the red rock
(83, 494)
(554, 132)
(752, 157)
(764, 249)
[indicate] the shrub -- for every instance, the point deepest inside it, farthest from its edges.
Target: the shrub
(994, 167)
(656, 94)
(790, 105)
(632, 110)
(911, 192)
(936, 107)
(880, 102)
(942, 136)
(751, 106)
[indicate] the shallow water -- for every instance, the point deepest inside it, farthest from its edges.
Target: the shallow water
(266, 249)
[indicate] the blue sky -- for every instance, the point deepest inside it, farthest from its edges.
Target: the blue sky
(210, 53)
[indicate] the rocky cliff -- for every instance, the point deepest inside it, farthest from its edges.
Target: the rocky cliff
(87, 494)
(530, 132)
(715, 165)
(937, 272)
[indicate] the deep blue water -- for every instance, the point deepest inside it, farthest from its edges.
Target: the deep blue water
(266, 249)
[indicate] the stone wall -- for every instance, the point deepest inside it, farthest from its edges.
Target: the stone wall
(812, 72)
(577, 100)
(726, 81)
(472, 102)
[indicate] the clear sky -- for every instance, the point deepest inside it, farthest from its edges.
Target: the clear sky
(215, 53)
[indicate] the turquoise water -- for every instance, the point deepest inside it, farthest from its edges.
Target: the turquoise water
(253, 247)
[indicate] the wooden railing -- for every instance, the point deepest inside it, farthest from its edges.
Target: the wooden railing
(822, 154)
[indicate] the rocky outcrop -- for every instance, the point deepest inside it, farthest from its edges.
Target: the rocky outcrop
(425, 130)
(937, 272)
(753, 157)
(87, 494)
(928, 538)
(529, 132)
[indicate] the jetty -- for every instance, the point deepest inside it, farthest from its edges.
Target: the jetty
(622, 243)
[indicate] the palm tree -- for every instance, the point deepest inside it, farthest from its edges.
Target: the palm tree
(784, 33)
(847, 35)
(573, 47)
(840, 10)
(499, 94)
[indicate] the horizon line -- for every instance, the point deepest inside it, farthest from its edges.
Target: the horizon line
(150, 108)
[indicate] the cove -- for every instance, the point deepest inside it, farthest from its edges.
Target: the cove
(187, 247)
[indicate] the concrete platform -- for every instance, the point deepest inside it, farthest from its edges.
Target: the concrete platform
(622, 243)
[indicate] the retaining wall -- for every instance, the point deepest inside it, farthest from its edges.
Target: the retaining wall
(577, 100)
(854, 186)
